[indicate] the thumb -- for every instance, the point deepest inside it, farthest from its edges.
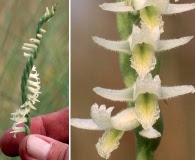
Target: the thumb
(38, 147)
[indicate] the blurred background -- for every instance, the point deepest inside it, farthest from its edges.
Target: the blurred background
(18, 21)
(92, 65)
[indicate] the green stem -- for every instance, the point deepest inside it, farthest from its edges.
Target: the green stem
(125, 22)
(145, 148)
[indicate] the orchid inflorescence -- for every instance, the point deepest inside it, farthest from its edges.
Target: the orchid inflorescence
(30, 82)
(142, 45)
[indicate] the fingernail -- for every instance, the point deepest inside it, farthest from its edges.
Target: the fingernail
(37, 148)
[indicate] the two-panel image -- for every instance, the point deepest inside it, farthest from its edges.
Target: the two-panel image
(97, 79)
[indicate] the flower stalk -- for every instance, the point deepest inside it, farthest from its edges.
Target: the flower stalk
(30, 81)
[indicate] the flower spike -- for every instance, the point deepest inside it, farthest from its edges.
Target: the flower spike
(30, 85)
(145, 25)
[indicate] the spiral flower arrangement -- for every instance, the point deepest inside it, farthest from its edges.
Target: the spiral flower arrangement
(144, 19)
(30, 82)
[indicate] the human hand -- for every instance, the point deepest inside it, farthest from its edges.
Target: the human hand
(48, 140)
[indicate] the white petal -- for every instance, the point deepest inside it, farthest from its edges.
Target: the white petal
(27, 55)
(118, 46)
(150, 133)
(147, 110)
(29, 45)
(136, 37)
(16, 130)
(19, 119)
(34, 74)
(162, 5)
(117, 7)
(26, 49)
(33, 83)
(39, 36)
(35, 41)
(148, 84)
(125, 120)
(33, 98)
(143, 59)
(25, 111)
(101, 116)
(47, 11)
(53, 9)
(108, 142)
(33, 90)
(34, 69)
(42, 31)
(28, 103)
(151, 16)
(139, 4)
(115, 95)
(84, 124)
(144, 35)
(169, 92)
(172, 43)
(14, 114)
(179, 8)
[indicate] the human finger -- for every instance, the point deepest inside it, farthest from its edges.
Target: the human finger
(54, 125)
(38, 147)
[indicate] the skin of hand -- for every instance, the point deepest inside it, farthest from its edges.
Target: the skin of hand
(48, 140)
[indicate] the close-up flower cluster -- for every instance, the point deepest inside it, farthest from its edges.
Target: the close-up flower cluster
(143, 44)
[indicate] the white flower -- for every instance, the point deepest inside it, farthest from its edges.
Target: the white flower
(114, 126)
(17, 130)
(29, 49)
(34, 74)
(33, 98)
(28, 104)
(163, 6)
(142, 45)
(145, 93)
(33, 86)
(150, 11)
(18, 117)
